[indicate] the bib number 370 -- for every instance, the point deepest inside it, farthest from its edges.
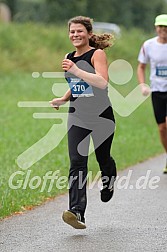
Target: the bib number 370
(79, 88)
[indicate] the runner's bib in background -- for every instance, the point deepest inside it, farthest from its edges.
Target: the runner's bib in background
(79, 88)
(161, 71)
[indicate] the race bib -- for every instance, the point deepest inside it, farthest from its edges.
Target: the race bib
(161, 71)
(79, 88)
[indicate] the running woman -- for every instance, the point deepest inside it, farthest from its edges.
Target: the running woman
(90, 114)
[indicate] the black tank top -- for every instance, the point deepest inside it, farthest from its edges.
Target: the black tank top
(86, 99)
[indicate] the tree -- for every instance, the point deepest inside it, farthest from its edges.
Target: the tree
(144, 12)
(129, 13)
(62, 10)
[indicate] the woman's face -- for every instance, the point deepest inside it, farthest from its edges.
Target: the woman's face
(78, 35)
(162, 32)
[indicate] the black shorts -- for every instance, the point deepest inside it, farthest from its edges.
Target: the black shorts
(159, 101)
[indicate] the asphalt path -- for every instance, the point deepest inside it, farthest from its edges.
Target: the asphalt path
(134, 220)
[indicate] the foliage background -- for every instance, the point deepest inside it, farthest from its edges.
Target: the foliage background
(129, 13)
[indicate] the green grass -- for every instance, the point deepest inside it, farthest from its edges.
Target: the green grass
(30, 47)
(40, 49)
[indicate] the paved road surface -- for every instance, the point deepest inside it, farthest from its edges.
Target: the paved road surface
(134, 220)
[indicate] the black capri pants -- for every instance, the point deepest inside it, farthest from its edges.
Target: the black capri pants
(78, 144)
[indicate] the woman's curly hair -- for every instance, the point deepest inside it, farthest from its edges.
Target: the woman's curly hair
(99, 41)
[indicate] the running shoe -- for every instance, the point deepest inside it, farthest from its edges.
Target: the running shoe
(108, 190)
(165, 170)
(107, 193)
(74, 219)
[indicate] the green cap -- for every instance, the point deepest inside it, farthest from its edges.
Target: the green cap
(161, 20)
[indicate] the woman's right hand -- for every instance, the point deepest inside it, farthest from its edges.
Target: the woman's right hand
(57, 102)
(145, 89)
